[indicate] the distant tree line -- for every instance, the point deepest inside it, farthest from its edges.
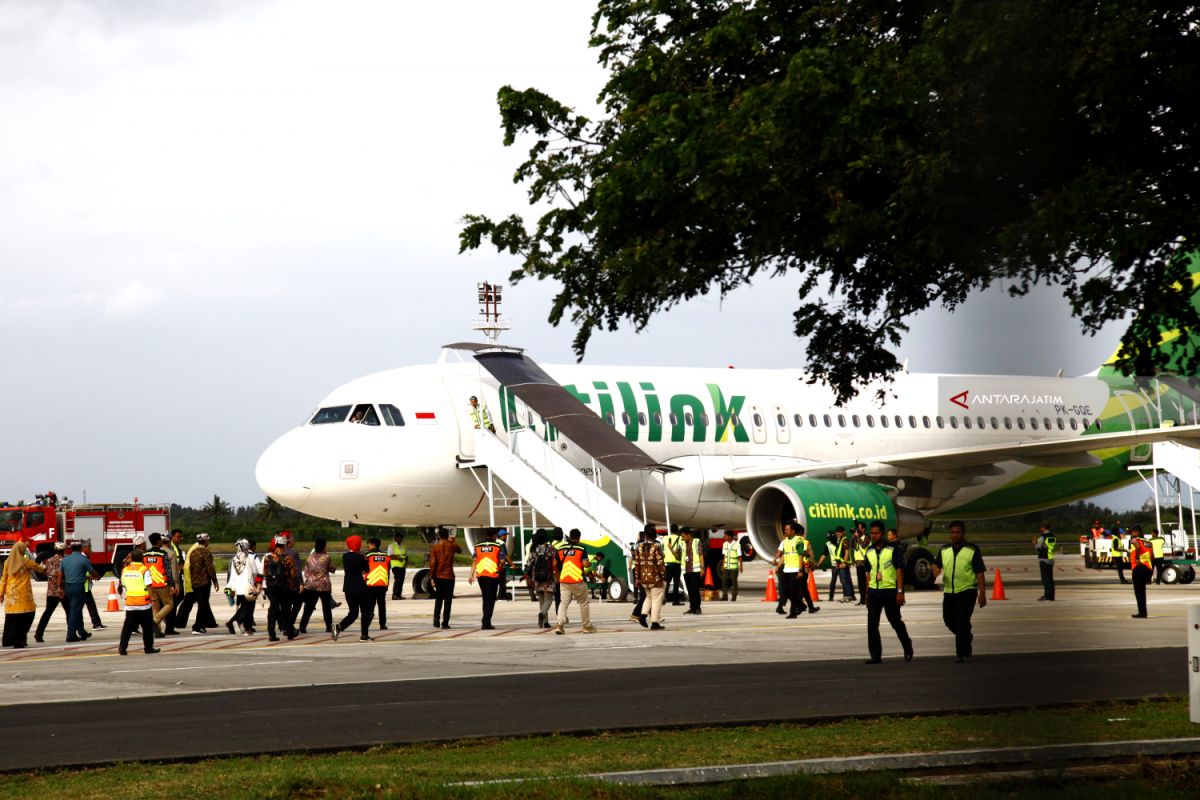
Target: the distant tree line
(228, 523)
(1075, 518)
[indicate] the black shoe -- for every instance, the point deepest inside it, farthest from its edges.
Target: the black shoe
(304, 631)
(365, 639)
(779, 610)
(873, 661)
(862, 602)
(814, 609)
(122, 652)
(85, 636)
(960, 659)
(229, 627)
(1139, 616)
(791, 616)
(291, 635)
(153, 650)
(547, 624)
(37, 637)
(446, 626)
(689, 611)
(642, 620)
(98, 626)
(1041, 598)
(171, 633)
(273, 638)
(677, 603)
(488, 627)
(72, 641)
(656, 627)
(383, 627)
(908, 655)
(1123, 581)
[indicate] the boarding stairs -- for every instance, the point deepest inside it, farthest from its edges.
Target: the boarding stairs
(1174, 470)
(549, 483)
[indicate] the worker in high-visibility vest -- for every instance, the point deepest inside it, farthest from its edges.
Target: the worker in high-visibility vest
(860, 542)
(573, 569)
(731, 566)
(1097, 530)
(672, 550)
(692, 560)
(480, 416)
(398, 553)
(158, 564)
(377, 579)
(1141, 559)
(964, 584)
(1157, 548)
(1045, 543)
(885, 594)
(486, 569)
(1119, 551)
(138, 610)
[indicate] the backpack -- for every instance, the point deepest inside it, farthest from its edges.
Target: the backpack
(541, 567)
(273, 575)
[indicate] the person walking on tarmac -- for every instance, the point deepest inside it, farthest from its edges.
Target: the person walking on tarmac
(441, 576)
(539, 575)
(1045, 544)
(649, 575)
(278, 571)
(398, 553)
(377, 579)
(790, 554)
(885, 595)
(480, 415)
(1141, 559)
(139, 611)
(672, 551)
(638, 613)
(486, 568)
(1119, 552)
(692, 560)
(573, 569)
(354, 586)
(1157, 546)
(963, 585)
(859, 545)
(731, 566)
(54, 589)
(158, 571)
(199, 575)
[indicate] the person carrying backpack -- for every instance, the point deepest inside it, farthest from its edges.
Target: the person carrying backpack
(539, 575)
(279, 571)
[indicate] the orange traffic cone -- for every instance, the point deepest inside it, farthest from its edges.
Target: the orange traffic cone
(812, 588)
(114, 604)
(772, 595)
(998, 587)
(708, 579)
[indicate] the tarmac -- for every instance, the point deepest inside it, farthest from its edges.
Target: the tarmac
(437, 684)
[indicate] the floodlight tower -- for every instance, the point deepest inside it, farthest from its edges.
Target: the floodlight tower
(489, 320)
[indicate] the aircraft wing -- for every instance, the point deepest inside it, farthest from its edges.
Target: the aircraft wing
(976, 460)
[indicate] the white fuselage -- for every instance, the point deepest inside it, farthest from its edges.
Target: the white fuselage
(409, 474)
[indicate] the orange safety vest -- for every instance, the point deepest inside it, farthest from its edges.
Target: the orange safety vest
(155, 564)
(1140, 552)
(377, 569)
(1097, 533)
(571, 557)
(133, 579)
(487, 560)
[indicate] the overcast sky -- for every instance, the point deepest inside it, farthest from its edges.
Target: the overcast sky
(212, 213)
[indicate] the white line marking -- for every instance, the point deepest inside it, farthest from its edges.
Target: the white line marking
(214, 666)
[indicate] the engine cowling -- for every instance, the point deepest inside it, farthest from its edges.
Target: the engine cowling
(820, 506)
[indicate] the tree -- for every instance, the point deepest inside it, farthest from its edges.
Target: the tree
(269, 511)
(218, 510)
(897, 155)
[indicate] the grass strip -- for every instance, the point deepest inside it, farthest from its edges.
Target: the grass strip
(424, 770)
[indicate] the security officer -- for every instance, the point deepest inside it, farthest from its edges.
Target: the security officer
(486, 568)
(573, 568)
(731, 566)
(377, 579)
(1119, 551)
(162, 580)
(138, 609)
(1157, 545)
(1141, 559)
(860, 544)
(885, 594)
(963, 585)
(399, 561)
(672, 550)
(1045, 543)
(791, 554)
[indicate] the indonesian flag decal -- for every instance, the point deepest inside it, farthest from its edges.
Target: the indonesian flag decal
(426, 418)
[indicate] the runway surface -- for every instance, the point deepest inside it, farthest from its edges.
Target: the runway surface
(69, 703)
(359, 715)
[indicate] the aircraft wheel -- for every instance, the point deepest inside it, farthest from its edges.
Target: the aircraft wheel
(920, 568)
(421, 583)
(1170, 574)
(1187, 574)
(748, 552)
(618, 590)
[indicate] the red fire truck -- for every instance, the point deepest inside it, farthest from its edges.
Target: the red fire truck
(108, 527)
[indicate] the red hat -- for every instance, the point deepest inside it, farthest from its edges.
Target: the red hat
(353, 543)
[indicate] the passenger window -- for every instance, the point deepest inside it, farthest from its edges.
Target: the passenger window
(610, 419)
(687, 418)
(1097, 424)
(704, 419)
(1008, 423)
(855, 420)
(983, 424)
(624, 417)
(841, 420)
(1046, 422)
(871, 421)
(799, 420)
(781, 420)
(674, 420)
(828, 422)
(657, 418)
(720, 421)
(954, 423)
(1033, 423)
(1020, 422)
(967, 423)
(641, 418)
(1061, 426)
(1083, 424)
(941, 423)
(924, 420)
(995, 426)
(391, 415)
(1074, 424)
(883, 420)
(812, 420)
(329, 415)
(758, 420)
(912, 422)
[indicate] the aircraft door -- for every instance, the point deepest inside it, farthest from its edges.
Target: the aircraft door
(783, 430)
(459, 391)
(758, 425)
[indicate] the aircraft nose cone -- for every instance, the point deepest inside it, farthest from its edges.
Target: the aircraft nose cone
(282, 472)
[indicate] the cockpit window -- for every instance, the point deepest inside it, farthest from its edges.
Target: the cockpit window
(364, 414)
(329, 415)
(391, 414)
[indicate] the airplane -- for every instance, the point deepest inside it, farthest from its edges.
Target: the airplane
(740, 449)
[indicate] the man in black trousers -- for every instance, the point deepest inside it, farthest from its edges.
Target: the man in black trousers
(963, 585)
(885, 594)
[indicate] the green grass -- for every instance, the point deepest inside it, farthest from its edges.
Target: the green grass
(426, 770)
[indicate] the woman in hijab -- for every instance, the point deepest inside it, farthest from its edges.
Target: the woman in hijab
(242, 571)
(16, 592)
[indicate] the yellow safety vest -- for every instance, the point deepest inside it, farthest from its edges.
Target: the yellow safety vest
(487, 560)
(881, 572)
(792, 552)
(672, 543)
(733, 552)
(133, 580)
(957, 575)
(399, 554)
(1156, 546)
(480, 416)
(697, 556)
(377, 569)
